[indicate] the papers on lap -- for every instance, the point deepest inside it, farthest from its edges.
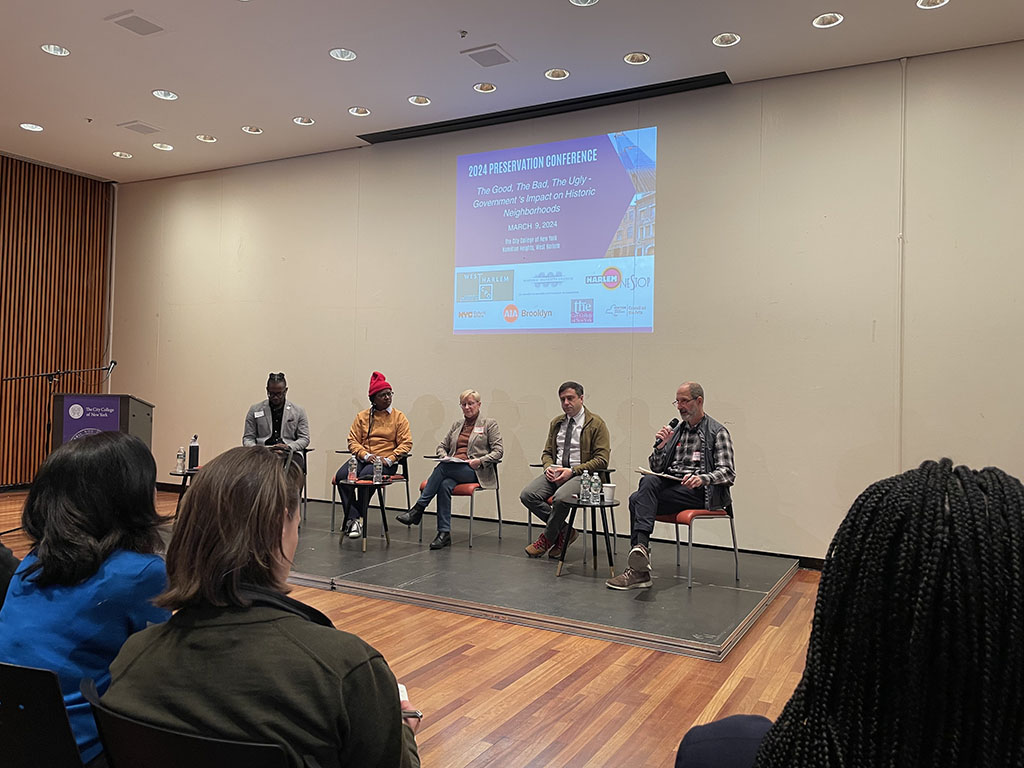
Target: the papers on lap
(642, 471)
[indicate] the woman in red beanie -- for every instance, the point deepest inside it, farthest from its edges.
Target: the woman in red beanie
(380, 430)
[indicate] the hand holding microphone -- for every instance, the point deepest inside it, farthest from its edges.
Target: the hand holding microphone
(665, 432)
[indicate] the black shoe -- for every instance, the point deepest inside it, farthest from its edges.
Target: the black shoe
(410, 518)
(443, 539)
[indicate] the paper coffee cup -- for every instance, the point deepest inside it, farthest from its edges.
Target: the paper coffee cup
(608, 489)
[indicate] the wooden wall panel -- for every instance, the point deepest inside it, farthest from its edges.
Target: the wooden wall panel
(54, 278)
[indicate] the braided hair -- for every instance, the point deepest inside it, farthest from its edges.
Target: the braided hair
(916, 654)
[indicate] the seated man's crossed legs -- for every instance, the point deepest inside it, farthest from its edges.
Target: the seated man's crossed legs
(654, 496)
(556, 534)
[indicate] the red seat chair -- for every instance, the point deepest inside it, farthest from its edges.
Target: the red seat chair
(687, 517)
(403, 462)
(470, 490)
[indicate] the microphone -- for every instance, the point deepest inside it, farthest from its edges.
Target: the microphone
(673, 424)
(112, 364)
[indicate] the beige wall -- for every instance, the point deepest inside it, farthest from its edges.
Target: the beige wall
(781, 287)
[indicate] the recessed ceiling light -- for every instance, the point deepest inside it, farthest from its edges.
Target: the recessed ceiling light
(556, 74)
(827, 20)
(32, 127)
(342, 54)
(123, 155)
(725, 39)
(165, 95)
(637, 57)
(929, 4)
(583, 3)
(358, 111)
(419, 101)
(301, 120)
(163, 147)
(205, 137)
(55, 50)
(255, 131)
(485, 87)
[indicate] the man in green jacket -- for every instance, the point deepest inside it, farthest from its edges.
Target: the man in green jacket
(577, 442)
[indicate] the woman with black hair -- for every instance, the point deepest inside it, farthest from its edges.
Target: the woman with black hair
(916, 654)
(92, 573)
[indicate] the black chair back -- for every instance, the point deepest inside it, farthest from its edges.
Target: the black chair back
(131, 743)
(34, 727)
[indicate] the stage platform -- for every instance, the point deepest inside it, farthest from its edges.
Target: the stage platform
(496, 580)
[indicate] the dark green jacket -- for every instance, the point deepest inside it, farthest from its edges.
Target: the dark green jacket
(595, 444)
(276, 672)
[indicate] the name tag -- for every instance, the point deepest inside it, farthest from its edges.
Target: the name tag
(478, 430)
(258, 414)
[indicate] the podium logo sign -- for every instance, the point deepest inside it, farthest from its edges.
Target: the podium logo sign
(91, 414)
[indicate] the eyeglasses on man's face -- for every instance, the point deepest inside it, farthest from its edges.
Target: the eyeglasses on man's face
(683, 401)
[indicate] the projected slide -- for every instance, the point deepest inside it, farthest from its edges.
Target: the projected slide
(557, 237)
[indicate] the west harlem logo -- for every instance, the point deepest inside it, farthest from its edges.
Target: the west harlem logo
(611, 278)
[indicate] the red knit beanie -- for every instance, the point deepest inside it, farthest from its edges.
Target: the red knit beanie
(377, 383)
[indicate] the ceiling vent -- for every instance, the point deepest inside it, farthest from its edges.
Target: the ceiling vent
(488, 55)
(139, 127)
(133, 23)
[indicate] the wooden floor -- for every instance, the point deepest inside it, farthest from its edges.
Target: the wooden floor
(502, 695)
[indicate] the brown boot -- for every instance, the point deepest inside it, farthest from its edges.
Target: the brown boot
(539, 547)
(556, 551)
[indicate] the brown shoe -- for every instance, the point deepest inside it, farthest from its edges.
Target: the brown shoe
(539, 547)
(556, 551)
(639, 558)
(630, 579)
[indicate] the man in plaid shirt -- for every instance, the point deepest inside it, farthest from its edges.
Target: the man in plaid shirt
(699, 452)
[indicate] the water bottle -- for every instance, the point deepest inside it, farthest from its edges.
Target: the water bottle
(585, 488)
(193, 452)
(353, 470)
(378, 470)
(179, 460)
(598, 488)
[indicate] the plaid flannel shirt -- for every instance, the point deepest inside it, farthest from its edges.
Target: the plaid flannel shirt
(724, 466)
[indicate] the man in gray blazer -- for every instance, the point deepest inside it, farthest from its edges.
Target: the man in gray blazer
(474, 442)
(276, 421)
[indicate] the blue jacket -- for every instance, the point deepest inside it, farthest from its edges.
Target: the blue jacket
(77, 631)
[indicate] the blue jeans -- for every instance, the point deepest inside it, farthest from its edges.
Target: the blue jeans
(442, 480)
(348, 493)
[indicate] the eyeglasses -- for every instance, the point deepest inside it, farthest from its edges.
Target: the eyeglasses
(385, 393)
(684, 401)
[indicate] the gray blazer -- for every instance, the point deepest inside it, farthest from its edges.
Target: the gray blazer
(294, 425)
(484, 444)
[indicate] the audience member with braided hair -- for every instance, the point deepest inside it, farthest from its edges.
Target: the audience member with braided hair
(916, 655)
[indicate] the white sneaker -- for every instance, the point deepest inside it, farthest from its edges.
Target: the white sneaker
(356, 530)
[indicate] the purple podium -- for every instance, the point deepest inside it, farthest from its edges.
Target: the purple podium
(76, 415)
